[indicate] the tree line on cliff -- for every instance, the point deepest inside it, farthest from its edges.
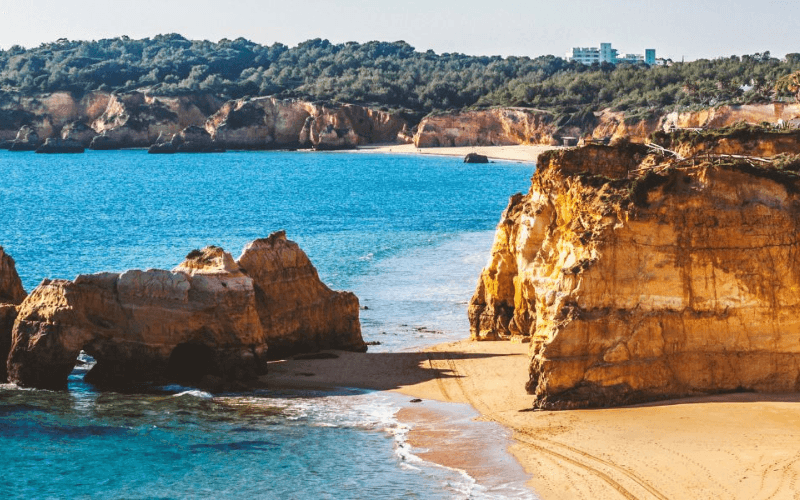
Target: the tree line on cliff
(392, 75)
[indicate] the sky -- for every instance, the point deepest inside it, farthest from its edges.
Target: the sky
(677, 29)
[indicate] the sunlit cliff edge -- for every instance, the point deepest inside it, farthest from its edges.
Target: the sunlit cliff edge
(638, 275)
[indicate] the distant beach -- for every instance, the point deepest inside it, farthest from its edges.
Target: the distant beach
(527, 154)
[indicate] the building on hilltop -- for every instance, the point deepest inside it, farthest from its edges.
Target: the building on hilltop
(606, 53)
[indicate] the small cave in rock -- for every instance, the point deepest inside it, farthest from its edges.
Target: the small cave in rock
(189, 363)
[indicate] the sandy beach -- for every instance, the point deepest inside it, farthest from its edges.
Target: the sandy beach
(527, 154)
(730, 446)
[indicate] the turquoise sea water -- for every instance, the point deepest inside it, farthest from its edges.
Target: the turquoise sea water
(407, 234)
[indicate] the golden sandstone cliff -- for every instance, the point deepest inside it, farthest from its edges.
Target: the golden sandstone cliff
(511, 126)
(11, 295)
(270, 123)
(211, 320)
(493, 127)
(637, 276)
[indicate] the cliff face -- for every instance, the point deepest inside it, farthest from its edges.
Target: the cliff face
(261, 123)
(637, 279)
(493, 127)
(207, 318)
(11, 291)
(724, 116)
(612, 126)
(11, 294)
(512, 126)
(136, 120)
(733, 140)
(269, 123)
(47, 114)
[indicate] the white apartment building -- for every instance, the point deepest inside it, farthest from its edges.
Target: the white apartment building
(606, 53)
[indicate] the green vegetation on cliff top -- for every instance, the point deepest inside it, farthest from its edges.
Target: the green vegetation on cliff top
(383, 74)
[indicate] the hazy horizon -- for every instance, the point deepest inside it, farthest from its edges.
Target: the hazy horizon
(682, 29)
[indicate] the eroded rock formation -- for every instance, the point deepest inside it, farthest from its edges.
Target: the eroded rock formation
(135, 120)
(206, 319)
(492, 127)
(270, 123)
(11, 290)
(637, 277)
(298, 312)
(26, 140)
(11, 294)
(192, 139)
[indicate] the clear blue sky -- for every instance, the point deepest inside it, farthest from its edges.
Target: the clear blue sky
(677, 28)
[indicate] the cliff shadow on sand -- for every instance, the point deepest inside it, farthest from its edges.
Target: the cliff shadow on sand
(373, 371)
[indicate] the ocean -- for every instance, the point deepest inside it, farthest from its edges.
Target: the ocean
(407, 234)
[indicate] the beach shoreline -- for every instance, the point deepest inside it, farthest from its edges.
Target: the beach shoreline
(518, 153)
(725, 446)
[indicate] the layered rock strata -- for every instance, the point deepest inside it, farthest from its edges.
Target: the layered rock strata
(493, 127)
(11, 290)
(637, 277)
(206, 320)
(733, 140)
(135, 119)
(270, 123)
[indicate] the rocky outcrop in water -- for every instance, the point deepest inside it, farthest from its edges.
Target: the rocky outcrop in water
(78, 132)
(60, 146)
(298, 312)
(192, 139)
(206, 321)
(8, 314)
(476, 158)
(26, 140)
(637, 277)
(11, 294)
(11, 290)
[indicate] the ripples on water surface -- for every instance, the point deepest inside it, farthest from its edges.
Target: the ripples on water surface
(407, 234)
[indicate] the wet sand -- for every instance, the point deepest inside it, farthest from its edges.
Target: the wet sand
(732, 446)
(527, 154)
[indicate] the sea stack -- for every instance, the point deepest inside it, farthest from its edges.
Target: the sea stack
(639, 275)
(208, 321)
(11, 295)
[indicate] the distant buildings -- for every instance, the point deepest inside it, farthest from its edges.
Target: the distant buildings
(606, 53)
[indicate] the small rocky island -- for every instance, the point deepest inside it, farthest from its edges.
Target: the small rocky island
(642, 273)
(211, 321)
